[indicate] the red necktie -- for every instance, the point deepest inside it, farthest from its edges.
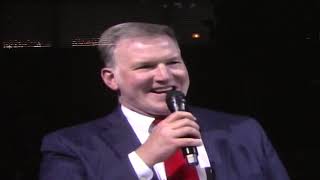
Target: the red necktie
(176, 166)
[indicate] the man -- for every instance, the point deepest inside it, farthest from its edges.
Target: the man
(142, 63)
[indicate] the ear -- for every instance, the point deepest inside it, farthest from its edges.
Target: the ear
(108, 78)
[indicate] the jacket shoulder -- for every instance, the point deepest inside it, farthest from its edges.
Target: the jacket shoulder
(218, 115)
(77, 134)
(211, 119)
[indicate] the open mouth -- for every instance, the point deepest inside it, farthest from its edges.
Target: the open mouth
(162, 90)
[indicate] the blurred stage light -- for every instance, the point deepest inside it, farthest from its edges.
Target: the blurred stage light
(195, 35)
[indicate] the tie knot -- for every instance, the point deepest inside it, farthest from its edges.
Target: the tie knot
(155, 122)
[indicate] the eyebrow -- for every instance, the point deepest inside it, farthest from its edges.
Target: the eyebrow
(151, 63)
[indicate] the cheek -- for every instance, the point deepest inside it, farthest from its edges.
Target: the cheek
(182, 75)
(183, 79)
(140, 80)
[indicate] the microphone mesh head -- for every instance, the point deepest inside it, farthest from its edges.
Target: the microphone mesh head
(176, 101)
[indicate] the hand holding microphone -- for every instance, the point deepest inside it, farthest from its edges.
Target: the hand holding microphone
(177, 130)
(176, 101)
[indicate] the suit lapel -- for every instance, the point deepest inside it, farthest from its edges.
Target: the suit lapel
(118, 134)
(211, 132)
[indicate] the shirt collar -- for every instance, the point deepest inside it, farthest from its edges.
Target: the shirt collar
(139, 123)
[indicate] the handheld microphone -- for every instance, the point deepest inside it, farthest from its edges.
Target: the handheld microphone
(176, 101)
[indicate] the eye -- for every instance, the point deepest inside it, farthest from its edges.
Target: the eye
(174, 62)
(145, 66)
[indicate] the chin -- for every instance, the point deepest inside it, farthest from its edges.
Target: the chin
(164, 111)
(159, 111)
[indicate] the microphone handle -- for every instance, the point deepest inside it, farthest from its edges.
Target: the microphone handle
(190, 152)
(176, 101)
(191, 155)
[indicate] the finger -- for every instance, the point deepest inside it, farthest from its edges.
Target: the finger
(184, 123)
(186, 132)
(180, 115)
(184, 142)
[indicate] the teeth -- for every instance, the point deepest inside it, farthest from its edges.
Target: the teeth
(162, 90)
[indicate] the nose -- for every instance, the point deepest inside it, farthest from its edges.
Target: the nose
(162, 73)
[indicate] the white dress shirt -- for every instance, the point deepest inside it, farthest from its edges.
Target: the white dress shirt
(140, 124)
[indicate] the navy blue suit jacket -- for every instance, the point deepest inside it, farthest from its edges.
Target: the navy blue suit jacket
(237, 147)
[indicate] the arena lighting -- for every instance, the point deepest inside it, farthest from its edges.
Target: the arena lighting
(77, 42)
(195, 35)
(15, 43)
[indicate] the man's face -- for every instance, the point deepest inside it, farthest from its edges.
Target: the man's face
(145, 69)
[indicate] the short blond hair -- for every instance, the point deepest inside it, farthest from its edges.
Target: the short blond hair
(110, 37)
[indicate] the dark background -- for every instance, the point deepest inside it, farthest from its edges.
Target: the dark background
(255, 58)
